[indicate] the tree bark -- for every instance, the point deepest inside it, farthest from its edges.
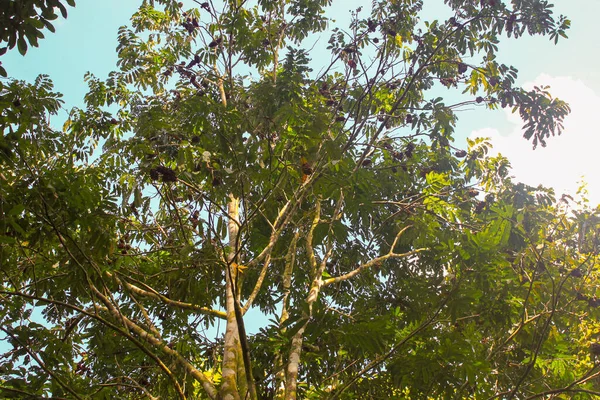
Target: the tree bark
(230, 389)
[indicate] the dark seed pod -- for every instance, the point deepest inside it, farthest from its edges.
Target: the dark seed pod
(409, 149)
(371, 25)
(397, 155)
(473, 192)
(462, 68)
(307, 169)
(460, 153)
(154, 175)
(581, 297)
(594, 302)
(576, 273)
(479, 99)
(480, 207)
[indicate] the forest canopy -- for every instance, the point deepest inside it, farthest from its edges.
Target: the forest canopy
(218, 174)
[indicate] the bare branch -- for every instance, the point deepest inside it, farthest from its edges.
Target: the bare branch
(149, 292)
(376, 261)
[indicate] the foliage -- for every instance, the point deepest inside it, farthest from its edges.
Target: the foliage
(216, 172)
(22, 21)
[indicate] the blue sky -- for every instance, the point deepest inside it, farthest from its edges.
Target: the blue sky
(87, 39)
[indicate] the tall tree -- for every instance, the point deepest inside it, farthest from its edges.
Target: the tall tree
(231, 176)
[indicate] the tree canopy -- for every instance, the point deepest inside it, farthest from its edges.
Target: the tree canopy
(22, 22)
(218, 171)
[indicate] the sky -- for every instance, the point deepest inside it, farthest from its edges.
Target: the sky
(87, 39)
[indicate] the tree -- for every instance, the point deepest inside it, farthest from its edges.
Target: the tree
(231, 176)
(23, 21)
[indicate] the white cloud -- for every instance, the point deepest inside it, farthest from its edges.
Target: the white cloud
(567, 159)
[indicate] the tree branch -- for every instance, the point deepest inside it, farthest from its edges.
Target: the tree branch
(149, 292)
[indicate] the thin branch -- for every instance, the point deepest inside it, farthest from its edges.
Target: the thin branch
(149, 292)
(375, 261)
(142, 333)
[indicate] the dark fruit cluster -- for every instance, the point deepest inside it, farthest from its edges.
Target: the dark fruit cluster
(480, 206)
(576, 273)
(215, 43)
(448, 82)
(408, 151)
(396, 155)
(594, 302)
(191, 24)
(473, 192)
(123, 245)
(168, 175)
(307, 169)
(195, 218)
(371, 25)
(452, 21)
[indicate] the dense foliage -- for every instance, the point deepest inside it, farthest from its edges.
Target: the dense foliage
(217, 173)
(22, 21)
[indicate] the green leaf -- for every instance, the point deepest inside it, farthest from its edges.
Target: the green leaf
(21, 45)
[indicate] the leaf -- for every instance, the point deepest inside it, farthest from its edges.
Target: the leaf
(21, 45)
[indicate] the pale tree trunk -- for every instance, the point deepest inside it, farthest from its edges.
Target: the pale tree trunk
(292, 369)
(287, 284)
(233, 377)
(293, 365)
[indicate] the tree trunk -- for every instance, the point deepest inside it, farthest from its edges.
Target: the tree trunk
(233, 376)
